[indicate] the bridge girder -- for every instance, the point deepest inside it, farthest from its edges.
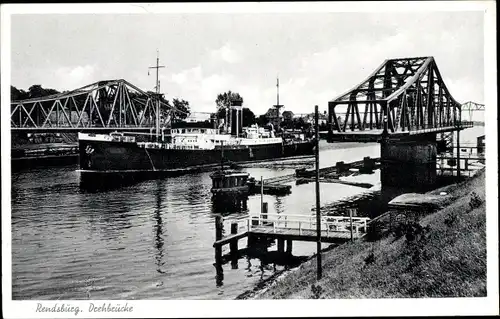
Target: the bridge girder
(472, 107)
(401, 95)
(105, 104)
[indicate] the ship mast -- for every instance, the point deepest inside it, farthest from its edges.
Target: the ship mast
(277, 92)
(278, 105)
(157, 90)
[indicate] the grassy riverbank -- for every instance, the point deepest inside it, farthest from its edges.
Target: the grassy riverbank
(447, 258)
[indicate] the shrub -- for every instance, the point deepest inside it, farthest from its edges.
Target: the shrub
(450, 219)
(375, 231)
(370, 259)
(415, 231)
(317, 291)
(475, 201)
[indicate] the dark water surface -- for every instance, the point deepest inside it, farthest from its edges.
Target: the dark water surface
(150, 240)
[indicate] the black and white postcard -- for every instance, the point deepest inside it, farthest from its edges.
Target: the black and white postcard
(207, 159)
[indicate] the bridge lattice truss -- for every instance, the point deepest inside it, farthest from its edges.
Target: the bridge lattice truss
(114, 104)
(472, 107)
(400, 95)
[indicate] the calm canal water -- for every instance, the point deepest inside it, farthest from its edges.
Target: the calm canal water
(150, 240)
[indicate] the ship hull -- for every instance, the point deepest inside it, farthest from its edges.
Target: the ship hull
(123, 158)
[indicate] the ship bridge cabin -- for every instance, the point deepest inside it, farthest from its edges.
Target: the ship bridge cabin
(209, 138)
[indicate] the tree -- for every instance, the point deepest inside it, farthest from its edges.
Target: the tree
(18, 95)
(248, 117)
(36, 91)
(165, 105)
(165, 108)
(262, 120)
(181, 107)
(300, 124)
(223, 102)
(221, 113)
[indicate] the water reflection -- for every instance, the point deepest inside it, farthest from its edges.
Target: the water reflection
(109, 219)
(106, 182)
(158, 228)
(228, 204)
(279, 206)
(219, 275)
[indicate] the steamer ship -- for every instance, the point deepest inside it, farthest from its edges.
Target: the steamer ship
(187, 148)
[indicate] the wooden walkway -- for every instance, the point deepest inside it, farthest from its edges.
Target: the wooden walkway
(334, 229)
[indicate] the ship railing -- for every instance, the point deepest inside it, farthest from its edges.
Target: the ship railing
(168, 146)
(127, 139)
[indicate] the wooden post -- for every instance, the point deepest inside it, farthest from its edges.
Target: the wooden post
(289, 246)
(458, 155)
(218, 236)
(318, 215)
(218, 227)
(237, 118)
(233, 247)
(281, 245)
(350, 221)
(391, 218)
(251, 240)
(261, 194)
(264, 213)
(222, 155)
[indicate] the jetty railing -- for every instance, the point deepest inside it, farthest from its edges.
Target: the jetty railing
(308, 223)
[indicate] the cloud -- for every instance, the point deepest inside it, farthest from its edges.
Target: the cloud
(317, 59)
(199, 88)
(337, 69)
(227, 54)
(187, 76)
(70, 78)
(462, 89)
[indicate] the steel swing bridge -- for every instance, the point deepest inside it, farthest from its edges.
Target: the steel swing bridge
(102, 106)
(401, 97)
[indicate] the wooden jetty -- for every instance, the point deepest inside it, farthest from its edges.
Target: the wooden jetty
(336, 181)
(269, 188)
(289, 228)
(366, 165)
(330, 174)
(470, 164)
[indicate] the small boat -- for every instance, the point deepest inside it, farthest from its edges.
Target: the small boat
(229, 182)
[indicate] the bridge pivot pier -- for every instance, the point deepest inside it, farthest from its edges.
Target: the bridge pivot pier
(408, 162)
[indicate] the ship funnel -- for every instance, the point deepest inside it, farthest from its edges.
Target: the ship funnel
(236, 117)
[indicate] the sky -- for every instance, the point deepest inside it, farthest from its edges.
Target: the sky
(317, 56)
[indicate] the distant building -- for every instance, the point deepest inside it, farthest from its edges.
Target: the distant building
(309, 118)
